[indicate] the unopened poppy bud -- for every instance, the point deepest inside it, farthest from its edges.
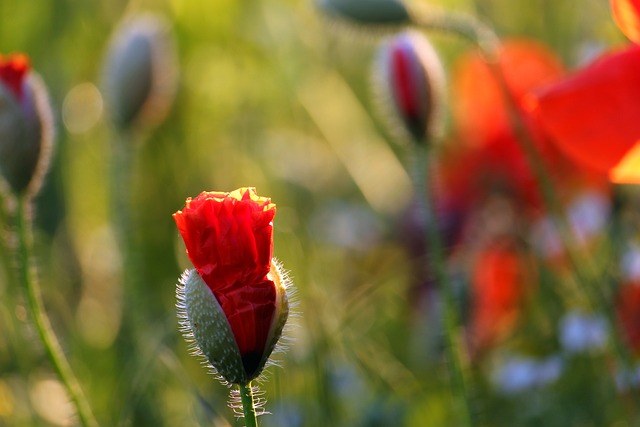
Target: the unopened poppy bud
(234, 304)
(368, 12)
(26, 126)
(410, 78)
(140, 72)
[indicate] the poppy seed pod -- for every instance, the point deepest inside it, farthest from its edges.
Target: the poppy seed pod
(234, 304)
(367, 12)
(140, 72)
(26, 126)
(409, 79)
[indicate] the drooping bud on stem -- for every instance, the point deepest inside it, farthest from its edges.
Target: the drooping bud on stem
(26, 126)
(410, 79)
(368, 12)
(140, 73)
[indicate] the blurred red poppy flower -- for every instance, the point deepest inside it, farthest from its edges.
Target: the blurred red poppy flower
(229, 239)
(13, 70)
(592, 115)
(628, 310)
(498, 283)
(489, 151)
(626, 13)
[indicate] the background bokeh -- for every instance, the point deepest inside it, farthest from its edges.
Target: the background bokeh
(274, 95)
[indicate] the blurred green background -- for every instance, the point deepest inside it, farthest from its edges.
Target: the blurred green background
(272, 95)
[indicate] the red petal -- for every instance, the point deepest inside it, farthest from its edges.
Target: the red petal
(593, 115)
(13, 71)
(626, 13)
(498, 283)
(628, 309)
(479, 111)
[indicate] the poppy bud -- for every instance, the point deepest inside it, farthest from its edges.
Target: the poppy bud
(368, 12)
(234, 304)
(140, 72)
(26, 129)
(410, 81)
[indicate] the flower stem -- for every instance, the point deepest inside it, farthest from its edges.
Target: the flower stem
(248, 407)
(49, 340)
(435, 250)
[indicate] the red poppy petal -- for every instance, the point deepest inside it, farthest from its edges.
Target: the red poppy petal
(498, 281)
(626, 13)
(479, 111)
(593, 115)
(628, 310)
(13, 71)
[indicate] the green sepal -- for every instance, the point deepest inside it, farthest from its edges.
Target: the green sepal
(205, 320)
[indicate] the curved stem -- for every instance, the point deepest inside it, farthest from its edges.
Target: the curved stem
(453, 333)
(461, 25)
(248, 407)
(49, 340)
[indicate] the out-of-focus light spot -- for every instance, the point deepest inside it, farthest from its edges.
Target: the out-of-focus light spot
(582, 332)
(347, 226)
(6, 400)
(517, 373)
(82, 108)
(51, 402)
(99, 313)
(631, 264)
(98, 324)
(21, 313)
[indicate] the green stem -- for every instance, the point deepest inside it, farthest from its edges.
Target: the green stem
(49, 340)
(248, 407)
(453, 331)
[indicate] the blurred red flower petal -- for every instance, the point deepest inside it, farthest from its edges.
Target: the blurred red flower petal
(13, 70)
(498, 281)
(628, 309)
(626, 13)
(229, 239)
(593, 115)
(480, 112)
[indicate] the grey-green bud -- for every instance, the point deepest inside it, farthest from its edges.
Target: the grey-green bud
(140, 73)
(26, 126)
(368, 12)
